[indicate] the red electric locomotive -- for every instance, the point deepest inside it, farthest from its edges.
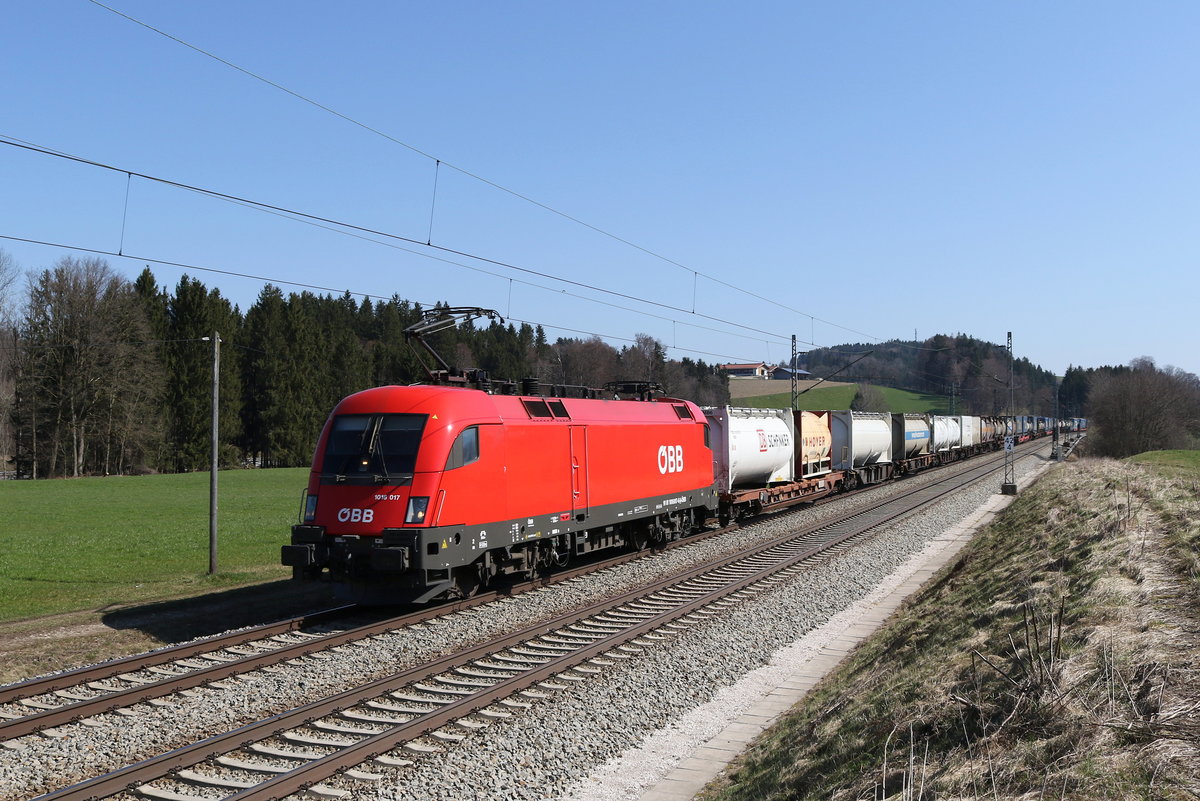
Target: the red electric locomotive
(422, 492)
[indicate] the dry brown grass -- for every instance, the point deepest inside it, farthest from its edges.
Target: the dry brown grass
(1056, 659)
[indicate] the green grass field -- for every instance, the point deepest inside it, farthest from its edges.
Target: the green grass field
(1179, 464)
(91, 543)
(821, 398)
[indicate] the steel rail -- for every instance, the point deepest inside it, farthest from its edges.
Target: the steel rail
(105, 670)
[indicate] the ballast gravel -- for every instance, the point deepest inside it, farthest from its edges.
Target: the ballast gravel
(559, 747)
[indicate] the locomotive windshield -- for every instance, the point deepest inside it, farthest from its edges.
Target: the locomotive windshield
(373, 447)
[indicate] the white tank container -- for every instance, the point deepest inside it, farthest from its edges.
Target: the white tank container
(947, 432)
(972, 431)
(751, 447)
(912, 435)
(861, 439)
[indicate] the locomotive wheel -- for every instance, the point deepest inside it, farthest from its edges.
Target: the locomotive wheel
(639, 538)
(467, 581)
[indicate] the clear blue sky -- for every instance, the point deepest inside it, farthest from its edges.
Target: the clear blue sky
(866, 169)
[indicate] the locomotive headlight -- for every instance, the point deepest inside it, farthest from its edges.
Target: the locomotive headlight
(417, 506)
(310, 508)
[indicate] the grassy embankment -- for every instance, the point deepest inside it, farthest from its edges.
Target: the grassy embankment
(91, 543)
(1054, 659)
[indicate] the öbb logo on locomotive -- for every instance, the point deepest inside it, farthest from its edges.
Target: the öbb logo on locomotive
(670, 459)
(347, 515)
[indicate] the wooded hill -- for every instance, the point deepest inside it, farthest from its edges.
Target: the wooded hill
(1132, 409)
(973, 373)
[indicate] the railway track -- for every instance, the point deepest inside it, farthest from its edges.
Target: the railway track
(51, 701)
(436, 704)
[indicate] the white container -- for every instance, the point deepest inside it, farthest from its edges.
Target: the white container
(861, 439)
(947, 433)
(751, 447)
(972, 431)
(912, 435)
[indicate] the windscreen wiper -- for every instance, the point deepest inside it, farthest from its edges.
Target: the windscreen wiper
(373, 450)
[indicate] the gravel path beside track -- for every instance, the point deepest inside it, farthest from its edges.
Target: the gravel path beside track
(552, 749)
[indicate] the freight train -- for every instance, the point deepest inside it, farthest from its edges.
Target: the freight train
(424, 492)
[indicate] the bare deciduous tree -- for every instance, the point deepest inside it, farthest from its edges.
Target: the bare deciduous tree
(1144, 409)
(85, 378)
(8, 343)
(869, 398)
(584, 362)
(8, 287)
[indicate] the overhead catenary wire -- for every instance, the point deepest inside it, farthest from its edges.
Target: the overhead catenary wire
(352, 229)
(332, 290)
(473, 175)
(510, 279)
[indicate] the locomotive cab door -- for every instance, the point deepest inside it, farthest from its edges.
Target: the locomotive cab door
(579, 474)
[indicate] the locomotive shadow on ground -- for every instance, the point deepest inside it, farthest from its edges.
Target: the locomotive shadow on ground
(215, 612)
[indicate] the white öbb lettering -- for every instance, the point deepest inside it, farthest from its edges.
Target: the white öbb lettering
(670, 459)
(346, 515)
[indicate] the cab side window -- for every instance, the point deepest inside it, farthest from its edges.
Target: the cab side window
(465, 449)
